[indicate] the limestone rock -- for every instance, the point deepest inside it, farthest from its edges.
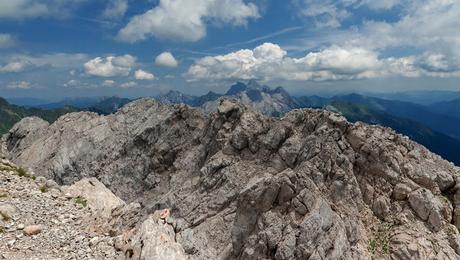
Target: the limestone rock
(100, 199)
(154, 239)
(45, 225)
(32, 230)
(241, 185)
(427, 207)
(7, 211)
(401, 191)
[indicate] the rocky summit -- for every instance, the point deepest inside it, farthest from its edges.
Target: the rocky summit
(156, 181)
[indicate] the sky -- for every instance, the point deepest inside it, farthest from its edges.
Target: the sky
(63, 48)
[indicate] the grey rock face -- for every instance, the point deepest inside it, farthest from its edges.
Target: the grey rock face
(154, 240)
(99, 199)
(241, 185)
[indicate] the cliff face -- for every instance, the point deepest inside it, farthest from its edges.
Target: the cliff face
(239, 184)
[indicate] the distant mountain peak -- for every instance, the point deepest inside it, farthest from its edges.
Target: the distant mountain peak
(253, 84)
(173, 92)
(236, 88)
(280, 90)
(174, 96)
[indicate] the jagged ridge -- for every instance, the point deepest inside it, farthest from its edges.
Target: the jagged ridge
(309, 185)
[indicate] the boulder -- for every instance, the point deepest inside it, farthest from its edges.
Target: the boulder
(427, 207)
(32, 230)
(153, 239)
(100, 199)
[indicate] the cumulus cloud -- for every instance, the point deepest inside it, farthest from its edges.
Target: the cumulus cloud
(110, 66)
(15, 66)
(108, 83)
(270, 62)
(115, 9)
(143, 75)
(130, 84)
(325, 13)
(22, 9)
(19, 85)
(72, 83)
(331, 13)
(6, 40)
(166, 59)
(429, 27)
(21, 63)
(185, 20)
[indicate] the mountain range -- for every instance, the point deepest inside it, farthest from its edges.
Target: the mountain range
(11, 114)
(434, 126)
(437, 126)
(167, 181)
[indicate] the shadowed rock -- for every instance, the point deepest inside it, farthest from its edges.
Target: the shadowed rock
(309, 185)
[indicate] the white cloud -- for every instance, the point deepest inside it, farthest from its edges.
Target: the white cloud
(185, 20)
(381, 4)
(108, 83)
(269, 52)
(143, 75)
(19, 63)
(327, 13)
(21, 9)
(15, 66)
(115, 9)
(130, 84)
(331, 13)
(166, 59)
(269, 62)
(6, 40)
(72, 83)
(76, 84)
(429, 29)
(110, 66)
(429, 24)
(19, 85)
(436, 62)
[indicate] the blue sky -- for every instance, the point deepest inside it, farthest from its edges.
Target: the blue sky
(59, 48)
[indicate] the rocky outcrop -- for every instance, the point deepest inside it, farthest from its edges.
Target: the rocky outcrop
(38, 222)
(153, 239)
(241, 185)
(99, 199)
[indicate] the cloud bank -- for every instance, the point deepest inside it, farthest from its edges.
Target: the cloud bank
(270, 62)
(111, 66)
(186, 20)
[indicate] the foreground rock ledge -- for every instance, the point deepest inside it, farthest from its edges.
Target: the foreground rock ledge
(241, 185)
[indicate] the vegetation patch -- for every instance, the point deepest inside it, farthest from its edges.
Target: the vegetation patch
(82, 201)
(22, 173)
(4, 216)
(43, 189)
(380, 243)
(5, 168)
